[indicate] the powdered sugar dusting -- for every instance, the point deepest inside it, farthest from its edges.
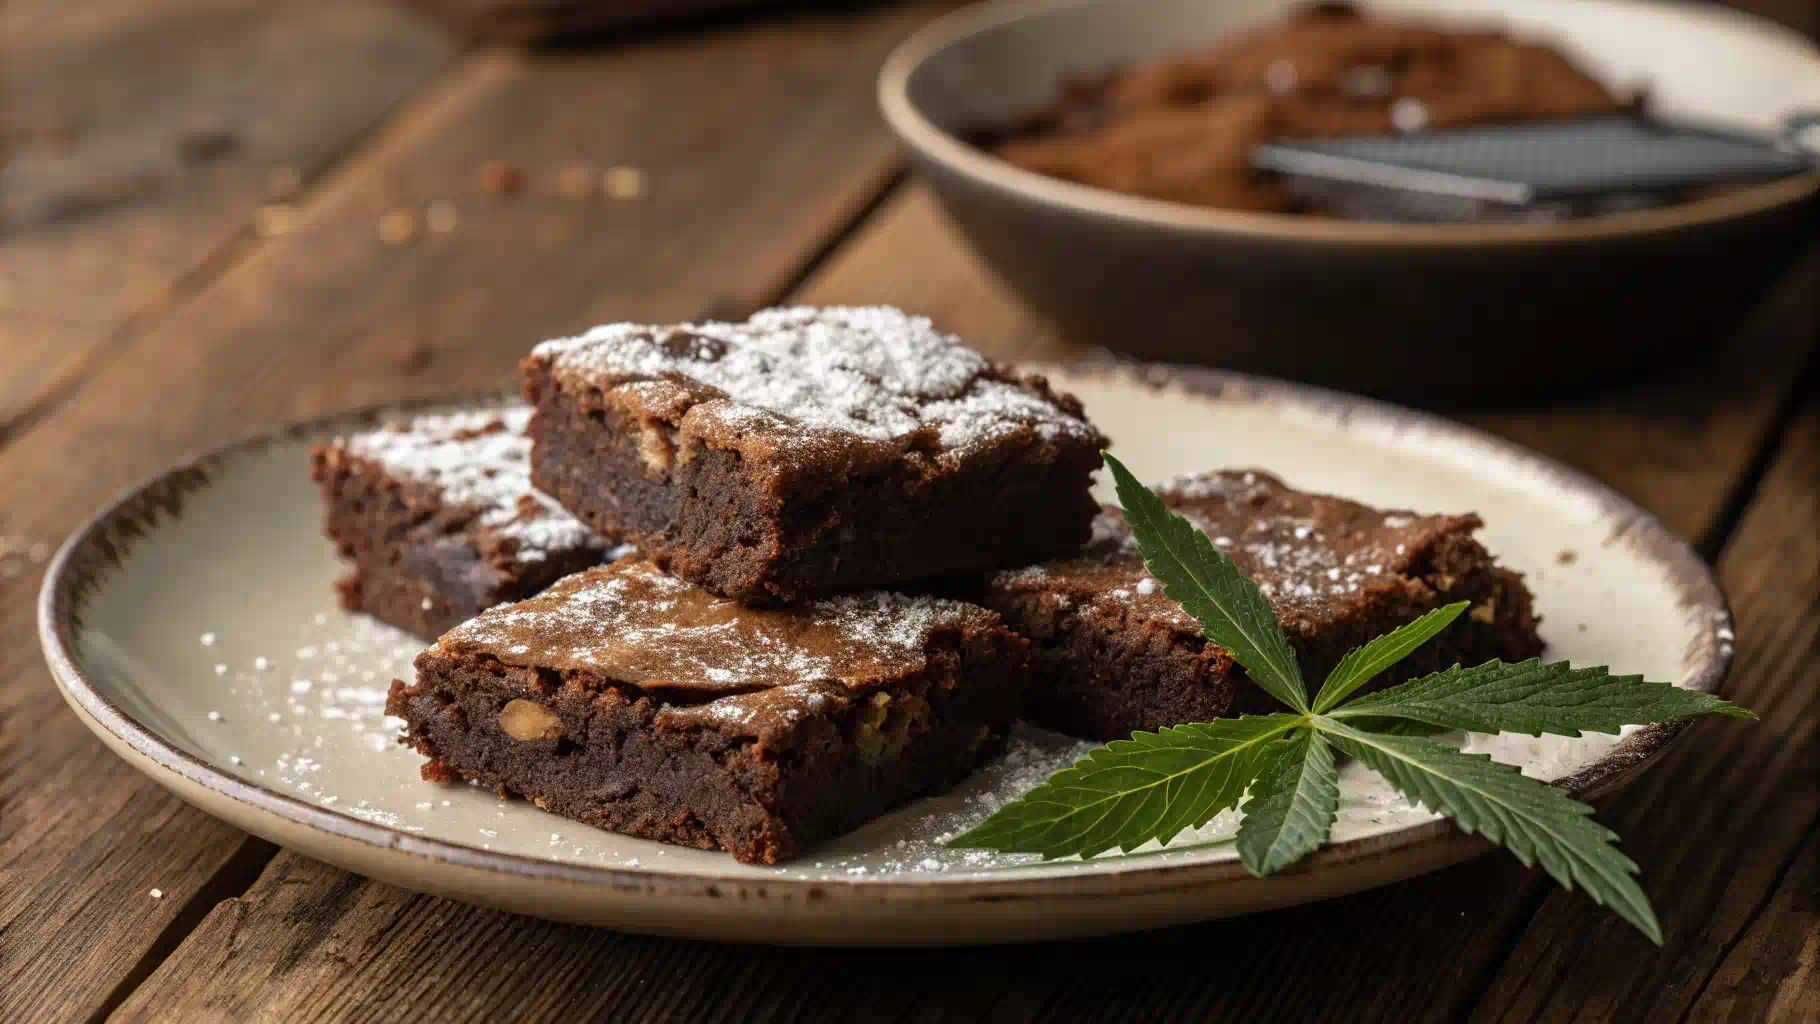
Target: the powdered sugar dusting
(632, 623)
(803, 372)
(479, 461)
(1301, 549)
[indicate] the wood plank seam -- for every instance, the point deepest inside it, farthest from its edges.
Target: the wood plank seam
(240, 245)
(889, 185)
(1777, 440)
(232, 880)
(1536, 896)
(1744, 929)
(730, 308)
(1710, 544)
(1565, 962)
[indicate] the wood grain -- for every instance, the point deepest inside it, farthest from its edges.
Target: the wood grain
(80, 848)
(781, 146)
(1726, 813)
(328, 316)
(141, 138)
(1773, 972)
(37, 353)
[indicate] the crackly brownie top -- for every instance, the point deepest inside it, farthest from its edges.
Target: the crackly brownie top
(480, 462)
(1314, 556)
(807, 378)
(629, 622)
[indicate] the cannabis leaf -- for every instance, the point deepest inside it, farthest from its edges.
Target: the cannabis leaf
(1537, 822)
(1128, 792)
(1200, 577)
(1154, 785)
(1534, 698)
(1292, 805)
(1395, 726)
(1364, 663)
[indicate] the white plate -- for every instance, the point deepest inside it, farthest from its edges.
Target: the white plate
(193, 628)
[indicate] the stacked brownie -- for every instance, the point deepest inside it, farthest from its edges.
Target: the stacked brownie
(755, 677)
(859, 552)
(809, 451)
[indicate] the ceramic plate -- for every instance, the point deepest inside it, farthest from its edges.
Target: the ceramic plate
(193, 628)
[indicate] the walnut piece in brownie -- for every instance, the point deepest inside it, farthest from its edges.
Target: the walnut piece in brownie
(1112, 654)
(440, 520)
(632, 701)
(809, 451)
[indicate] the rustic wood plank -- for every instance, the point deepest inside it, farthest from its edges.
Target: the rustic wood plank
(36, 353)
(328, 315)
(1727, 811)
(782, 143)
(372, 949)
(1773, 973)
(76, 867)
(139, 139)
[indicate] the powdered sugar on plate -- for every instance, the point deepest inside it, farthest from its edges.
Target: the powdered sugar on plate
(803, 372)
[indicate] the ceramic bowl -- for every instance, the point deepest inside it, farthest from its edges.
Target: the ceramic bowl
(1436, 313)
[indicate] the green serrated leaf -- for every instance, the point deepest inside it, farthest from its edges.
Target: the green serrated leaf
(1128, 792)
(1534, 698)
(1206, 583)
(1292, 805)
(1531, 819)
(1362, 664)
(1395, 726)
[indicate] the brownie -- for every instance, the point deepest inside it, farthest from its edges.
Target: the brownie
(1112, 654)
(632, 701)
(441, 522)
(807, 451)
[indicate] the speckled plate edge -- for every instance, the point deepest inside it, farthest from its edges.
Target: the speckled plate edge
(861, 912)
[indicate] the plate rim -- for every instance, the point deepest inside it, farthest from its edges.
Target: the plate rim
(74, 572)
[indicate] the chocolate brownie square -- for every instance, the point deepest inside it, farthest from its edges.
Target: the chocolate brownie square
(441, 522)
(1111, 654)
(809, 451)
(632, 701)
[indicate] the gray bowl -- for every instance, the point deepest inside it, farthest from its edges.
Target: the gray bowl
(1437, 313)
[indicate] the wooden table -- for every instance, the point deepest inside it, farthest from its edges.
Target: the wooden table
(222, 214)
